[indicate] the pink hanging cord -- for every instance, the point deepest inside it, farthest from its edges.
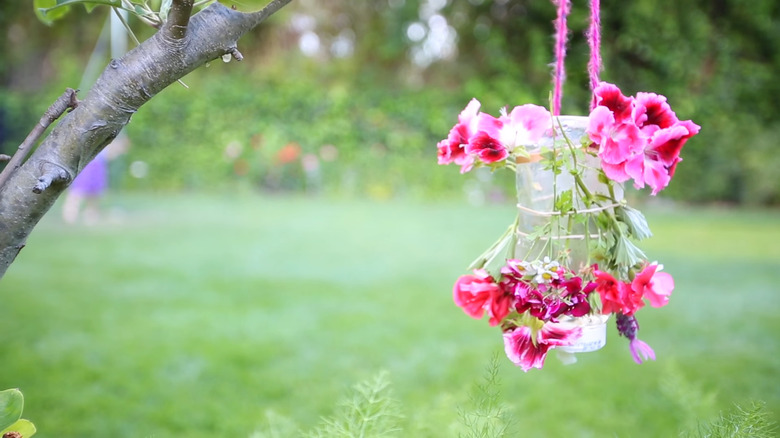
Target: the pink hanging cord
(594, 42)
(564, 6)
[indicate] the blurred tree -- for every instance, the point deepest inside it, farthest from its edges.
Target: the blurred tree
(384, 78)
(28, 188)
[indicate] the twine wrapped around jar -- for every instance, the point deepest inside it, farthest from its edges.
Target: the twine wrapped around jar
(537, 190)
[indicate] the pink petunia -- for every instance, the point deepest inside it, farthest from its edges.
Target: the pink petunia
(527, 354)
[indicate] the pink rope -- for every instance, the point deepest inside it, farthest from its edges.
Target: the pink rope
(560, 53)
(594, 42)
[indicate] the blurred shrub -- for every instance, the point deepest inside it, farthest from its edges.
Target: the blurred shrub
(233, 125)
(369, 123)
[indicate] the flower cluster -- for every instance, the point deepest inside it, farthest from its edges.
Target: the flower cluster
(529, 299)
(638, 138)
(527, 294)
(543, 288)
(480, 137)
(627, 297)
(536, 299)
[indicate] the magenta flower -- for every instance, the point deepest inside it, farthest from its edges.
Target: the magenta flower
(577, 296)
(609, 96)
(545, 307)
(628, 326)
(653, 112)
(486, 148)
(480, 136)
(640, 350)
(478, 293)
(618, 143)
(452, 149)
(638, 138)
(524, 126)
(655, 286)
(514, 270)
(526, 353)
(616, 296)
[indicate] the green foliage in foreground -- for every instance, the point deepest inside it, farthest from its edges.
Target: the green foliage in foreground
(370, 411)
(11, 407)
(193, 316)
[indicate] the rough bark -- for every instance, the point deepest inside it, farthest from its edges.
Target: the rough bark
(180, 46)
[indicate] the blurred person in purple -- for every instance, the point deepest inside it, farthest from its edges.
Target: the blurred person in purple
(91, 184)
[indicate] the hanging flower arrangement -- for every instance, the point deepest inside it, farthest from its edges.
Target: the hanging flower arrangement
(570, 260)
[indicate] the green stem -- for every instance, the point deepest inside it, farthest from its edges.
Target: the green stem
(486, 257)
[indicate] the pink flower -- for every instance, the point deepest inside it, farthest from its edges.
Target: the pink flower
(524, 126)
(452, 149)
(628, 326)
(616, 296)
(640, 350)
(486, 148)
(480, 136)
(478, 293)
(638, 138)
(545, 307)
(654, 111)
(527, 354)
(609, 96)
(655, 286)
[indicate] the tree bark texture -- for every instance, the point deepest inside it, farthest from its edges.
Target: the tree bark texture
(127, 83)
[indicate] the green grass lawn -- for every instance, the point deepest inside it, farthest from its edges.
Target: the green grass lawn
(196, 316)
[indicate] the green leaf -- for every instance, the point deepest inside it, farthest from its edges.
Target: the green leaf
(627, 254)
(564, 202)
(11, 405)
(24, 427)
(50, 10)
(165, 6)
(637, 224)
(43, 8)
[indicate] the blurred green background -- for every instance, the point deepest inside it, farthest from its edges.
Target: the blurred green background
(365, 89)
(280, 230)
(196, 315)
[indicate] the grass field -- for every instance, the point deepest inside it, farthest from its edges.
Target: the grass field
(196, 316)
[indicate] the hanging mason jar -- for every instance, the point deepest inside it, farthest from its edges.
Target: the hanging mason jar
(548, 194)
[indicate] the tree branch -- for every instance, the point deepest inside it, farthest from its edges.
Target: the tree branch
(67, 100)
(181, 46)
(178, 19)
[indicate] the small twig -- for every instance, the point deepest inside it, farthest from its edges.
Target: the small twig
(51, 173)
(236, 54)
(67, 100)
